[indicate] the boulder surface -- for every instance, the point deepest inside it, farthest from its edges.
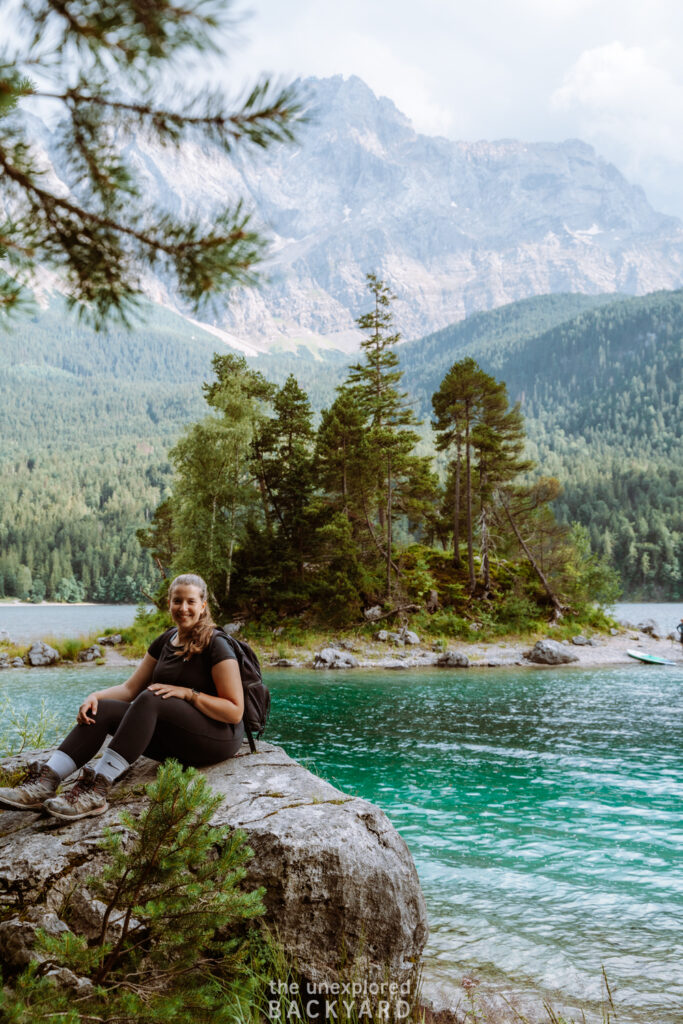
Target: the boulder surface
(337, 874)
(332, 657)
(453, 659)
(90, 653)
(42, 654)
(550, 652)
(111, 640)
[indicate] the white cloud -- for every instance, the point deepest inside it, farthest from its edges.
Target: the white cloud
(620, 86)
(629, 103)
(604, 70)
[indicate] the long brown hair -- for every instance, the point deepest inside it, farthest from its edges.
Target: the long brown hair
(202, 630)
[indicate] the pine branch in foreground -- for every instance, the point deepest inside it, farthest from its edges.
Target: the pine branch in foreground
(105, 67)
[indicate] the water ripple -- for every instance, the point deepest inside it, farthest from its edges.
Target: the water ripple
(543, 810)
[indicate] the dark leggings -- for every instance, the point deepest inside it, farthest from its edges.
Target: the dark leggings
(158, 729)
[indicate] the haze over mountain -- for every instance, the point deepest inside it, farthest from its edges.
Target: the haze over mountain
(453, 227)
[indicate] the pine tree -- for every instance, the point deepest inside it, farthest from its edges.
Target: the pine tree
(525, 513)
(282, 457)
(374, 384)
(498, 440)
(158, 537)
(173, 886)
(458, 407)
(338, 444)
(104, 65)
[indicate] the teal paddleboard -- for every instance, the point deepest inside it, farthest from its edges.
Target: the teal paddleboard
(651, 659)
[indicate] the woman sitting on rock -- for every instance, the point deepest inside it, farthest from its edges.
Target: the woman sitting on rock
(184, 700)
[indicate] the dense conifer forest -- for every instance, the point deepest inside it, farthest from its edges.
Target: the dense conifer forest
(88, 419)
(600, 393)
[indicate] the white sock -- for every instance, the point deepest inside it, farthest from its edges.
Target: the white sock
(111, 765)
(61, 764)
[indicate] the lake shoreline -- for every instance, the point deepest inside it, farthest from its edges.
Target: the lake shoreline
(604, 651)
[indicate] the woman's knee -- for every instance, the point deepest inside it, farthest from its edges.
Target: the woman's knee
(147, 699)
(164, 709)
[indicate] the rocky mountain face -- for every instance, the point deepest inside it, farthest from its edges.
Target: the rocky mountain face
(453, 227)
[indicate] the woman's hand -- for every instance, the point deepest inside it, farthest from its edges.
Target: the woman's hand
(164, 690)
(87, 708)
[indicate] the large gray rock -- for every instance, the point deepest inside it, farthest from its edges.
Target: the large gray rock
(90, 653)
(332, 657)
(550, 652)
(338, 876)
(42, 654)
(385, 636)
(453, 659)
(650, 627)
(112, 640)
(346, 645)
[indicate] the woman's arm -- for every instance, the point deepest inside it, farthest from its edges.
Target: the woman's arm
(127, 691)
(228, 706)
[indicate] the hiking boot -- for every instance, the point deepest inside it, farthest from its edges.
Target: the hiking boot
(40, 784)
(87, 796)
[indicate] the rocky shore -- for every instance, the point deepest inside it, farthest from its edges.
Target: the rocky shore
(586, 652)
(404, 649)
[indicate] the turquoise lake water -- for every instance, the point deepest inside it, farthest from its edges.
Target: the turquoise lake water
(543, 808)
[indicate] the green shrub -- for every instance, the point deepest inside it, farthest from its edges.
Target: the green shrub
(182, 951)
(517, 612)
(70, 647)
(28, 731)
(147, 626)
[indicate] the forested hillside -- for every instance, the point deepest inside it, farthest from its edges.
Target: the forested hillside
(600, 393)
(87, 420)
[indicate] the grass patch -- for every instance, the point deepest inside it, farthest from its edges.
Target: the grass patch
(11, 776)
(147, 626)
(13, 650)
(28, 730)
(69, 647)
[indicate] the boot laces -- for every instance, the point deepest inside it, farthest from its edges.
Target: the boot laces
(86, 784)
(35, 774)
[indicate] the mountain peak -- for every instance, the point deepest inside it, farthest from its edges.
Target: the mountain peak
(453, 227)
(350, 101)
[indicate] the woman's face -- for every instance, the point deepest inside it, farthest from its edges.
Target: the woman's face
(186, 606)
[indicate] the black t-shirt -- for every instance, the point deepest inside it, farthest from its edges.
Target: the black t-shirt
(195, 673)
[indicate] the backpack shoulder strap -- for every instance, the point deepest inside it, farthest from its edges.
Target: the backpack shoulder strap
(237, 651)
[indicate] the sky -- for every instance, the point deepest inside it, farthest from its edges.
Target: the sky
(609, 72)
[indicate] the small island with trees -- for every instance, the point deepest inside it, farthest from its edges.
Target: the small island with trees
(290, 523)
